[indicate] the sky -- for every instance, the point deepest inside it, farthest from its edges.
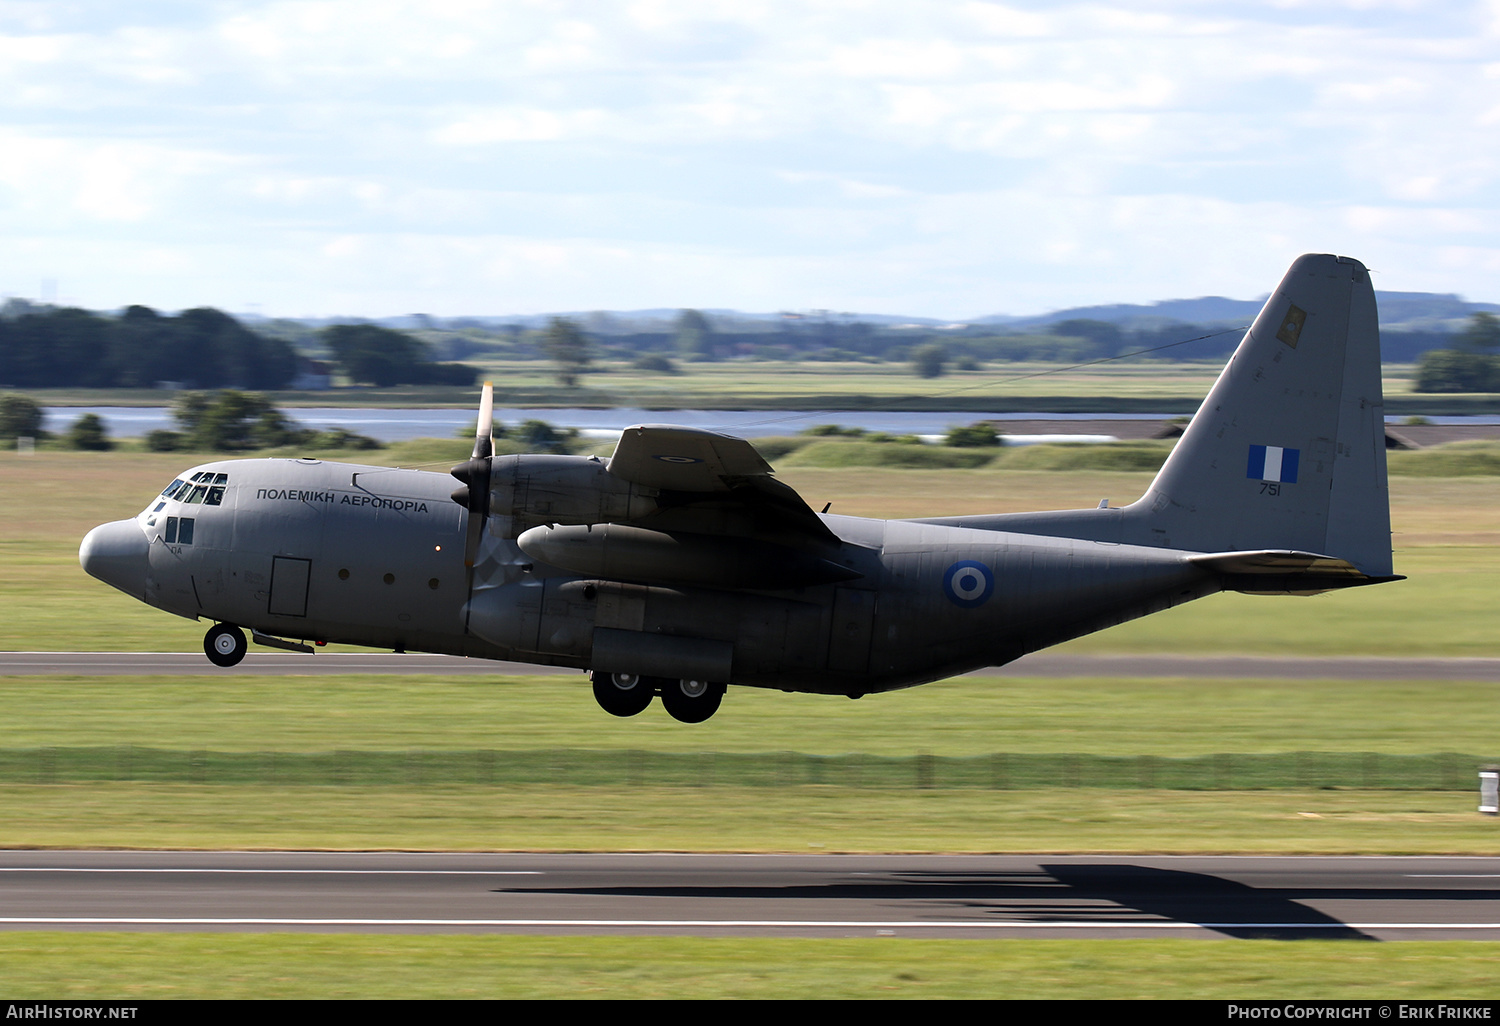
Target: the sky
(936, 159)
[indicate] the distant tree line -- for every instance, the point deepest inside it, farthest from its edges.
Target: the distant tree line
(1473, 366)
(46, 347)
(232, 421)
(43, 347)
(22, 416)
(370, 354)
(206, 348)
(227, 421)
(930, 351)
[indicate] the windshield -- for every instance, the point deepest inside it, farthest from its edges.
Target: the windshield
(205, 487)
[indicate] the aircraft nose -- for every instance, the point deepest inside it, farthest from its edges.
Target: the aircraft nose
(118, 554)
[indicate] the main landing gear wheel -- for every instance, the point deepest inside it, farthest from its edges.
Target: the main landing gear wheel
(691, 701)
(224, 644)
(621, 694)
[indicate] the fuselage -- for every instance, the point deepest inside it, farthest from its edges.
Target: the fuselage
(336, 552)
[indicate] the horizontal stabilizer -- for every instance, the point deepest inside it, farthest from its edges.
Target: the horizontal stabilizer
(1284, 571)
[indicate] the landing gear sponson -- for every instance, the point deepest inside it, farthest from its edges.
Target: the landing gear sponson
(626, 694)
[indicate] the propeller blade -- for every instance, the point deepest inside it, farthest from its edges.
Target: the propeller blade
(472, 538)
(484, 445)
(475, 474)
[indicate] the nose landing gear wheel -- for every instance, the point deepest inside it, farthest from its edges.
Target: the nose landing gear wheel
(621, 694)
(224, 644)
(691, 701)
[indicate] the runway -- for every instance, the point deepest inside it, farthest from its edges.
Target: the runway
(1356, 898)
(1040, 664)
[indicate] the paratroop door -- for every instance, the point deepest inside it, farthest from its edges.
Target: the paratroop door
(289, 579)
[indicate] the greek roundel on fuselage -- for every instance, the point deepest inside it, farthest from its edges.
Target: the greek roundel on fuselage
(968, 583)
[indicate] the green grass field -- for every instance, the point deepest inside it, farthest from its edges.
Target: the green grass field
(962, 717)
(280, 966)
(1131, 386)
(797, 818)
(542, 719)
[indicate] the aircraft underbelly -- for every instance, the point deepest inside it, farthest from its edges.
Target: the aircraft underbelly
(664, 631)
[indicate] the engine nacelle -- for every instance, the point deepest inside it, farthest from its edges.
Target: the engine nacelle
(545, 489)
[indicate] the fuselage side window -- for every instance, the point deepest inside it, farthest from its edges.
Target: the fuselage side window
(215, 495)
(197, 495)
(185, 531)
(170, 535)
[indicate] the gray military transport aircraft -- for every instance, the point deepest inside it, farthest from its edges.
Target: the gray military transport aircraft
(681, 565)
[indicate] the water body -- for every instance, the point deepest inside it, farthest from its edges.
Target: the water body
(389, 425)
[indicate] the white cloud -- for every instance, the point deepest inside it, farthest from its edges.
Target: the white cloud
(517, 125)
(945, 158)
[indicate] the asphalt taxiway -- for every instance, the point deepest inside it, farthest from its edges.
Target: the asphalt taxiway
(1355, 898)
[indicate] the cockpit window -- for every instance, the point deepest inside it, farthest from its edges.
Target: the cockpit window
(206, 487)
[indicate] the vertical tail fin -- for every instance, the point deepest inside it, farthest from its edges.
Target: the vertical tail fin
(1288, 450)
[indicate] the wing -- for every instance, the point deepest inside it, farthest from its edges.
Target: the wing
(712, 483)
(683, 459)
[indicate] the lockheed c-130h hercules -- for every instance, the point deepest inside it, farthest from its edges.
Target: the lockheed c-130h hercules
(681, 565)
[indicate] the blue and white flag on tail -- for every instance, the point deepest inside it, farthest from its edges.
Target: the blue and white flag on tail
(1273, 463)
